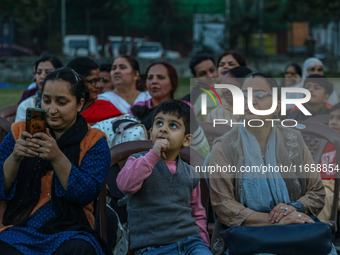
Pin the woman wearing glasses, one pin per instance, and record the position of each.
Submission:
(251, 198)
(292, 75)
(42, 67)
(94, 110)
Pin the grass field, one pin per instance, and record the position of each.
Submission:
(183, 87)
(9, 96)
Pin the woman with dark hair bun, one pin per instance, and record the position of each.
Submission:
(50, 179)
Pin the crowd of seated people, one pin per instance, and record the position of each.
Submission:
(49, 180)
(95, 109)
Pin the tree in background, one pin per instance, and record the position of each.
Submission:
(27, 17)
(38, 22)
(167, 23)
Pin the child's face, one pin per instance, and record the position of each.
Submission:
(334, 120)
(318, 95)
(170, 127)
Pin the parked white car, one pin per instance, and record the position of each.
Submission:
(151, 50)
(81, 46)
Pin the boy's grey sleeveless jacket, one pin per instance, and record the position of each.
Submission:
(159, 213)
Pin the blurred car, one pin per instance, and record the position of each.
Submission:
(81, 46)
(151, 50)
(171, 54)
(115, 42)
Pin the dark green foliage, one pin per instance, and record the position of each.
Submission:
(38, 22)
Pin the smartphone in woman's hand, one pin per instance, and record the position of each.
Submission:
(35, 120)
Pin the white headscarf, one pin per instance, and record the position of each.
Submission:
(309, 62)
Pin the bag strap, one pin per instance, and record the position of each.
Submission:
(117, 123)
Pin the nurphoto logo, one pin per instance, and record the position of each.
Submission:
(238, 103)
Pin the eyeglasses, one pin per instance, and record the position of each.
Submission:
(316, 69)
(94, 81)
(258, 94)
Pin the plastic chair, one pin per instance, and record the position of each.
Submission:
(317, 136)
(212, 133)
(5, 127)
(9, 112)
(323, 118)
(120, 153)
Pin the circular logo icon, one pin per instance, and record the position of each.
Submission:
(300, 126)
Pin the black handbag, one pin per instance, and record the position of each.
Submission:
(296, 239)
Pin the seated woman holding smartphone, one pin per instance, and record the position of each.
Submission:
(49, 179)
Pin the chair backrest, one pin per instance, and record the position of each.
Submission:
(316, 136)
(9, 112)
(121, 152)
(212, 132)
(323, 118)
(5, 127)
(311, 135)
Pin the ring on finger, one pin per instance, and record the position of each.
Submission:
(286, 208)
(281, 208)
(299, 215)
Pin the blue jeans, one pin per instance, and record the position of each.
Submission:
(191, 246)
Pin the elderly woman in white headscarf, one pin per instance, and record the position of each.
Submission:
(311, 66)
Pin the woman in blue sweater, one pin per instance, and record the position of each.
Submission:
(48, 180)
